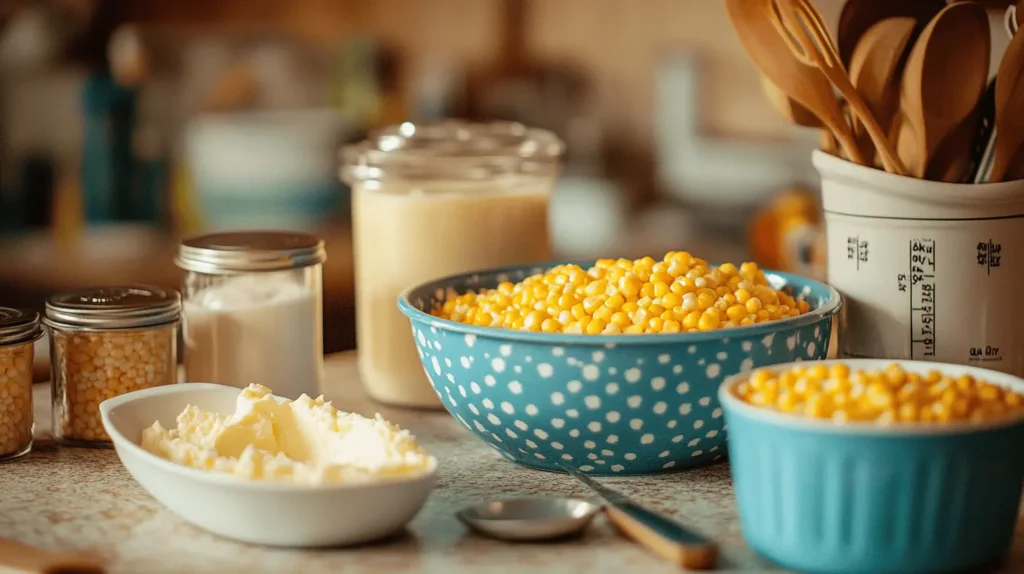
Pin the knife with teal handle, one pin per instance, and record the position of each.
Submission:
(665, 536)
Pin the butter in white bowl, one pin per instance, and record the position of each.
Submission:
(250, 466)
(302, 441)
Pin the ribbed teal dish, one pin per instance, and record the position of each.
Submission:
(603, 404)
(818, 496)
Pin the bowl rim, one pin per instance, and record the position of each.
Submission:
(731, 402)
(219, 478)
(829, 309)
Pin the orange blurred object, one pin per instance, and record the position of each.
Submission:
(788, 235)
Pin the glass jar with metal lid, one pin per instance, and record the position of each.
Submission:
(434, 200)
(253, 310)
(19, 330)
(105, 342)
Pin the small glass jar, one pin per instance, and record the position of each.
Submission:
(253, 310)
(19, 330)
(434, 200)
(106, 342)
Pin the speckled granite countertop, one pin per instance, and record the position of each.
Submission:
(66, 499)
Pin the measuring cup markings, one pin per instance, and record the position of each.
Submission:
(857, 250)
(989, 255)
(922, 297)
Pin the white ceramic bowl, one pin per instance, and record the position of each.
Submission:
(277, 514)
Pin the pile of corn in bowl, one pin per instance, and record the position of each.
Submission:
(610, 367)
(872, 465)
(680, 293)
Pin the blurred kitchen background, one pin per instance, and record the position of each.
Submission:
(127, 124)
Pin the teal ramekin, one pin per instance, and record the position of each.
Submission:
(820, 496)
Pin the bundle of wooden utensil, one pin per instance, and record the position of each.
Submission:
(903, 87)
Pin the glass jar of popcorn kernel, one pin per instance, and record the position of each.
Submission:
(105, 342)
(19, 330)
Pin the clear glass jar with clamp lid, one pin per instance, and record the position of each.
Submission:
(19, 330)
(106, 342)
(253, 310)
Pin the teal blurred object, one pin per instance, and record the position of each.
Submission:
(603, 404)
(107, 164)
(818, 496)
(266, 169)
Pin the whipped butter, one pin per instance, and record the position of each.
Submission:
(302, 441)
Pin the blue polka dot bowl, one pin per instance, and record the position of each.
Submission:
(603, 404)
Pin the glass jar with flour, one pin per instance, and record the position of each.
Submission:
(252, 310)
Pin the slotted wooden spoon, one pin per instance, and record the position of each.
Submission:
(1006, 155)
(803, 30)
(943, 80)
(875, 69)
(805, 84)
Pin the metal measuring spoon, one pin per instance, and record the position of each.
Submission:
(526, 519)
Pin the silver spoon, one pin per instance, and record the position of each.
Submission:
(525, 519)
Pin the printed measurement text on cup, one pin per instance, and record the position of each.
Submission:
(856, 250)
(919, 284)
(989, 255)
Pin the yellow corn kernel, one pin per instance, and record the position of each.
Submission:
(604, 313)
(692, 320)
(709, 320)
(736, 313)
(595, 326)
(621, 319)
(671, 300)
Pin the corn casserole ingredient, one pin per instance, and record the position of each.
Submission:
(95, 366)
(304, 441)
(884, 396)
(15, 398)
(680, 293)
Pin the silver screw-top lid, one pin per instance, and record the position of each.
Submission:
(240, 251)
(117, 307)
(18, 326)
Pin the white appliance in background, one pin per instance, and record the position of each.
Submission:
(588, 217)
(710, 171)
(266, 169)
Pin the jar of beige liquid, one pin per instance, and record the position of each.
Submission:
(436, 200)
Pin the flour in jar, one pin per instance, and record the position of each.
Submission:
(255, 329)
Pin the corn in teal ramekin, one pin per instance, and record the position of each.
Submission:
(815, 495)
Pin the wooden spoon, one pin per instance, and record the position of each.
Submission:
(790, 109)
(793, 111)
(858, 16)
(802, 28)
(942, 82)
(804, 84)
(17, 557)
(875, 70)
(1009, 108)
